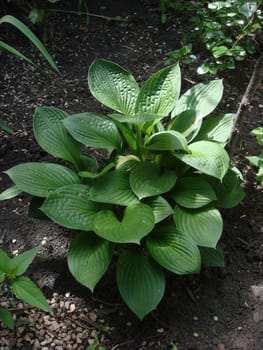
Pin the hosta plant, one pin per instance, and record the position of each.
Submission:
(11, 278)
(154, 197)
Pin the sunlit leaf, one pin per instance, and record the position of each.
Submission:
(113, 86)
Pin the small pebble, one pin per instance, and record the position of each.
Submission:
(216, 318)
(195, 318)
(195, 334)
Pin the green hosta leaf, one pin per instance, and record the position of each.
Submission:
(174, 251)
(52, 135)
(113, 188)
(202, 98)
(94, 130)
(113, 86)
(10, 192)
(27, 291)
(6, 318)
(228, 191)
(135, 119)
(40, 179)
(187, 124)
(216, 128)
(183, 122)
(20, 263)
(167, 141)
(70, 206)
(193, 192)
(160, 92)
(204, 225)
(161, 208)
(208, 157)
(147, 180)
(141, 282)
(5, 262)
(136, 223)
(88, 258)
(212, 256)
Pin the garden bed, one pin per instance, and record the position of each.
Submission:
(221, 308)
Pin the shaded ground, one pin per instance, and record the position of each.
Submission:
(216, 310)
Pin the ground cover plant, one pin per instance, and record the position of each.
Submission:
(12, 280)
(153, 202)
(226, 29)
(258, 160)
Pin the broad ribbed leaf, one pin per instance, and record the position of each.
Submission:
(26, 290)
(6, 318)
(161, 208)
(52, 136)
(167, 141)
(40, 179)
(174, 251)
(193, 192)
(208, 157)
(70, 206)
(141, 282)
(229, 191)
(136, 223)
(93, 130)
(204, 225)
(113, 188)
(147, 180)
(135, 119)
(212, 256)
(202, 98)
(88, 258)
(160, 92)
(113, 86)
(216, 128)
(10, 192)
(183, 123)
(20, 263)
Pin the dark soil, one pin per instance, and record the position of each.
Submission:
(216, 310)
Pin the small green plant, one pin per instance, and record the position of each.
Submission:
(226, 28)
(258, 160)
(154, 198)
(31, 36)
(96, 344)
(11, 271)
